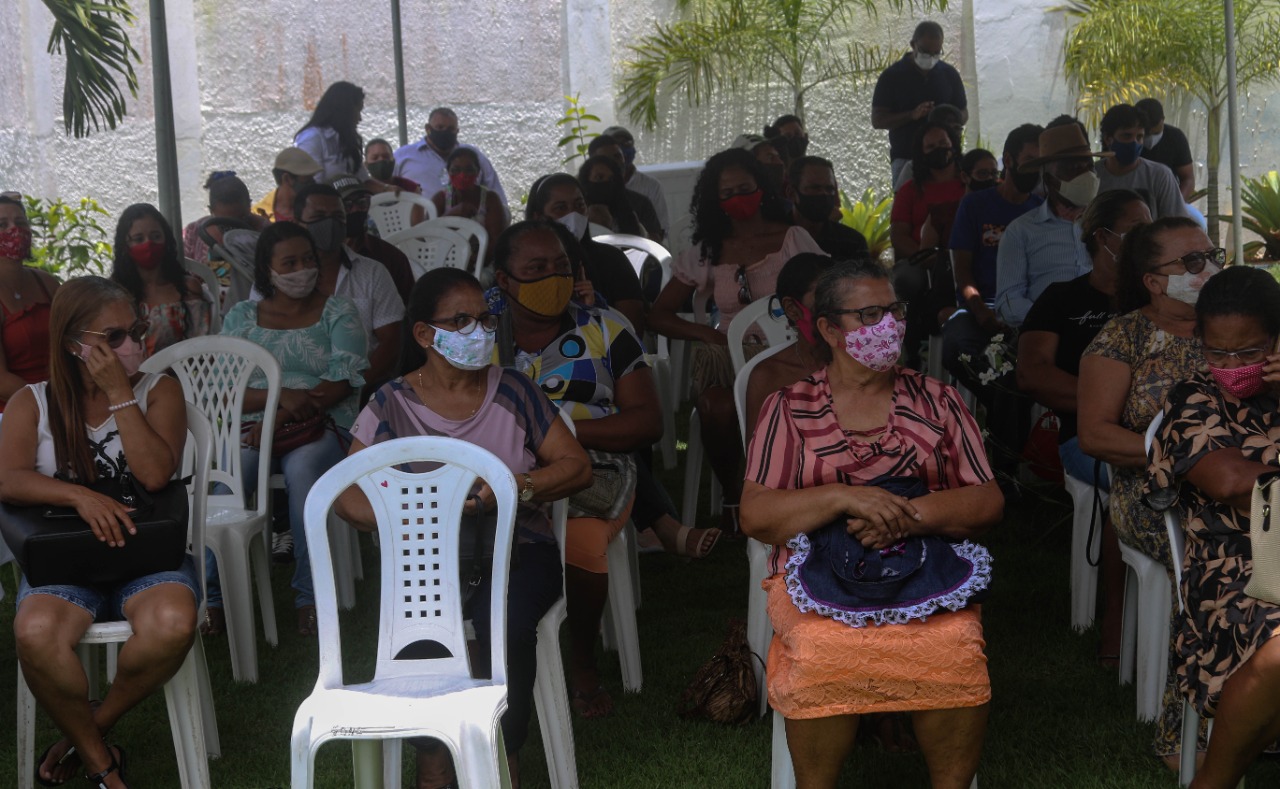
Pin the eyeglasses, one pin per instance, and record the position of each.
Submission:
(115, 338)
(1218, 357)
(465, 324)
(1196, 261)
(744, 287)
(870, 316)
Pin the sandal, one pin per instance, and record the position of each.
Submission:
(307, 621)
(434, 766)
(62, 761)
(215, 622)
(590, 704)
(99, 780)
(704, 541)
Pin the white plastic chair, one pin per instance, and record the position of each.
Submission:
(1084, 576)
(430, 245)
(215, 373)
(211, 282)
(393, 213)
(418, 516)
(188, 696)
(470, 229)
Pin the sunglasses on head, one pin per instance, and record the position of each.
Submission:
(116, 337)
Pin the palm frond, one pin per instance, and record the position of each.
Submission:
(92, 36)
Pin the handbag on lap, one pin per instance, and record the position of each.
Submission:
(613, 484)
(1264, 535)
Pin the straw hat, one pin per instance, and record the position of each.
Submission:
(1062, 142)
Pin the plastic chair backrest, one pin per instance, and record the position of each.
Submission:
(430, 245)
(215, 374)
(776, 329)
(742, 380)
(393, 213)
(418, 515)
(197, 461)
(1172, 521)
(470, 229)
(649, 249)
(211, 282)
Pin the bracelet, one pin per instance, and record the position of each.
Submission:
(122, 406)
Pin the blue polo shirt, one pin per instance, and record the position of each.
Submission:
(1038, 249)
(979, 226)
(903, 86)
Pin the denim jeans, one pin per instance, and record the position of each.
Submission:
(301, 468)
(1080, 466)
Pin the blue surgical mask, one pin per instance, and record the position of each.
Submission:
(1126, 152)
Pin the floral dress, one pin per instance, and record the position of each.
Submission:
(1221, 626)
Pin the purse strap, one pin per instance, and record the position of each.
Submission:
(477, 561)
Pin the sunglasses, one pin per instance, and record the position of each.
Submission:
(870, 316)
(116, 337)
(1196, 261)
(744, 287)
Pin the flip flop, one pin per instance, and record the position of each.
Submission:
(705, 541)
(67, 754)
(116, 766)
(215, 622)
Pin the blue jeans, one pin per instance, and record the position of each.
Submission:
(1080, 466)
(301, 468)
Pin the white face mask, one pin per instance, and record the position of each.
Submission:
(576, 222)
(472, 351)
(1185, 287)
(926, 62)
(1081, 190)
(1152, 140)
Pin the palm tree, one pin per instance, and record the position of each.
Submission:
(1119, 51)
(91, 33)
(726, 44)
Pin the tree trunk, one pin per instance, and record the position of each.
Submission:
(1212, 160)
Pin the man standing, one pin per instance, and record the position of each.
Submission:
(1122, 135)
(909, 89)
(815, 201)
(425, 161)
(294, 168)
(1166, 144)
(637, 181)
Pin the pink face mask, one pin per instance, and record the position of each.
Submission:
(876, 347)
(805, 325)
(1242, 382)
(130, 353)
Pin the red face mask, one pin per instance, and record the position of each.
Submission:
(15, 242)
(148, 254)
(462, 181)
(1242, 382)
(806, 325)
(742, 207)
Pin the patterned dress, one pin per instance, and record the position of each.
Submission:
(1222, 626)
(819, 667)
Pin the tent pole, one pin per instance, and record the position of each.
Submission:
(397, 45)
(166, 139)
(1233, 133)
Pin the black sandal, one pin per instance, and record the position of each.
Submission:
(67, 754)
(117, 766)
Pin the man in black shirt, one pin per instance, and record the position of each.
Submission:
(815, 200)
(1167, 145)
(909, 89)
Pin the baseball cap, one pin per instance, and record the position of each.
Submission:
(296, 161)
(347, 185)
(619, 133)
(748, 142)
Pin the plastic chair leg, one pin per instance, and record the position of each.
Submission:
(633, 559)
(1190, 734)
(551, 698)
(26, 734)
(212, 741)
(1150, 628)
(1084, 576)
(392, 763)
(260, 555)
(759, 629)
(182, 697)
(692, 470)
(1129, 627)
(233, 557)
(343, 578)
(782, 774)
(622, 611)
(366, 763)
(662, 375)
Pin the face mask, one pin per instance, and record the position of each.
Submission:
(1025, 182)
(357, 224)
(382, 170)
(328, 233)
(576, 222)
(472, 351)
(629, 153)
(926, 62)
(1242, 381)
(603, 193)
(777, 175)
(797, 146)
(815, 208)
(805, 326)
(129, 353)
(876, 347)
(15, 242)
(976, 185)
(1185, 287)
(1126, 152)
(1153, 140)
(443, 139)
(742, 207)
(938, 158)
(296, 284)
(547, 296)
(148, 254)
(463, 181)
(1081, 190)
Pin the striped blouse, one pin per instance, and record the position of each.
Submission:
(798, 441)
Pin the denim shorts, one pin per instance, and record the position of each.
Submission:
(106, 603)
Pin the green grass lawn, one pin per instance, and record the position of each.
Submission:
(1058, 720)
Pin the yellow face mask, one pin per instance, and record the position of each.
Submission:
(547, 296)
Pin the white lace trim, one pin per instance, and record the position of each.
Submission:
(954, 600)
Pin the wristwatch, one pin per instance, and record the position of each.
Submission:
(526, 492)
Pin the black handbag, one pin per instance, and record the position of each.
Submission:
(53, 545)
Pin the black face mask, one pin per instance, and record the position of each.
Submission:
(382, 170)
(357, 224)
(815, 208)
(797, 146)
(604, 192)
(443, 139)
(938, 158)
(976, 185)
(1025, 182)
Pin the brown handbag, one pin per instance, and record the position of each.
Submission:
(724, 689)
(291, 435)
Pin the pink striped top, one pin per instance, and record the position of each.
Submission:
(798, 441)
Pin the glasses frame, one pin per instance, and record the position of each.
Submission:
(898, 309)
(488, 320)
(1218, 357)
(116, 337)
(1194, 262)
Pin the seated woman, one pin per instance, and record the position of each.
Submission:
(1220, 433)
(589, 363)
(743, 237)
(1125, 375)
(96, 418)
(148, 263)
(320, 344)
(808, 467)
(466, 198)
(24, 315)
(609, 203)
(449, 388)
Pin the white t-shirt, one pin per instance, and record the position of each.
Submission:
(104, 440)
(326, 149)
(1155, 182)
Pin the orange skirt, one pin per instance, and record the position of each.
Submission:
(587, 540)
(819, 668)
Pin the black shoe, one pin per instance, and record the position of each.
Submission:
(282, 547)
